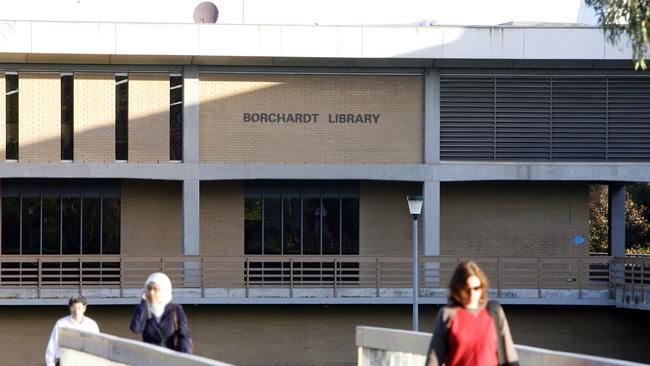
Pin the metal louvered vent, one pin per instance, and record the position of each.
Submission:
(522, 118)
(579, 119)
(544, 118)
(628, 122)
(467, 109)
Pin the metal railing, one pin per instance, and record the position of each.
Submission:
(534, 275)
(631, 281)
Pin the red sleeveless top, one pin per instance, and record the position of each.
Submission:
(472, 339)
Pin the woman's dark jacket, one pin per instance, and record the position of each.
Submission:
(162, 334)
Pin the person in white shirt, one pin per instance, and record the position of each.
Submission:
(76, 320)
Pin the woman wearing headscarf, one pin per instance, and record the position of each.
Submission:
(160, 321)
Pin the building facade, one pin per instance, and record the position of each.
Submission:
(267, 165)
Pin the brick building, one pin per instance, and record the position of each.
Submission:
(268, 166)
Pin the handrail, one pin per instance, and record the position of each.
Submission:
(530, 277)
(84, 348)
(378, 345)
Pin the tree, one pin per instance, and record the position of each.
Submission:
(631, 17)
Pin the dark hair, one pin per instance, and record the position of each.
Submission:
(77, 299)
(458, 294)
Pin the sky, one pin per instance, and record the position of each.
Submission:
(305, 12)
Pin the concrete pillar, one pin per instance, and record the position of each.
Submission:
(191, 101)
(191, 199)
(191, 233)
(431, 216)
(617, 219)
(431, 213)
(432, 116)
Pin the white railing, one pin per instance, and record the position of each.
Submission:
(383, 346)
(79, 348)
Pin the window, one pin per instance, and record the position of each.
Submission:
(121, 117)
(11, 80)
(67, 116)
(60, 217)
(301, 218)
(175, 117)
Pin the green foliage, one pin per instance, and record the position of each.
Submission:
(637, 218)
(631, 17)
(598, 219)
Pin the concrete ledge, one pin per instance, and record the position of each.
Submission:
(77, 346)
(398, 345)
(301, 295)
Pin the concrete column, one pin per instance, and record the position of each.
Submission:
(191, 101)
(432, 116)
(617, 219)
(431, 213)
(191, 233)
(431, 216)
(191, 199)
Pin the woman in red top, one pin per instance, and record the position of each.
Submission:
(471, 331)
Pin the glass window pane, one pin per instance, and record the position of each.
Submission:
(91, 229)
(111, 225)
(121, 117)
(350, 229)
(176, 118)
(272, 218)
(10, 225)
(71, 219)
(11, 115)
(67, 115)
(51, 218)
(311, 226)
(71, 225)
(330, 212)
(31, 216)
(291, 212)
(253, 225)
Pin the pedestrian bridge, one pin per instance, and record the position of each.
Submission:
(382, 346)
(376, 346)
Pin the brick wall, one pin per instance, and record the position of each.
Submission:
(94, 117)
(148, 118)
(39, 117)
(222, 218)
(518, 219)
(321, 335)
(385, 225)
(151, 218)
(226, 138)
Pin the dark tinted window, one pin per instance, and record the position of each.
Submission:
(176, 118)
(308, 218)
(12, 116)
(51, 218)
(121, 117)
(31, 218)
(10, 218)
(67, 116)
(60, 217)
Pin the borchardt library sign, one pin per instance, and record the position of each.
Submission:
(370, 118)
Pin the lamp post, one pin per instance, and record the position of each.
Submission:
(415, 208)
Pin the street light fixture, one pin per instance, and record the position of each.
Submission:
(415, 208)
